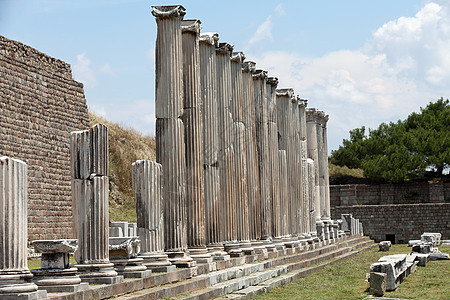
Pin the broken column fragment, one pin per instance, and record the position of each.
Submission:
(90, 198)
(146, 177)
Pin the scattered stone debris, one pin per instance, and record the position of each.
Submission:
(384, 245)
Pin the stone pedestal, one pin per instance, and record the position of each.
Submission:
(55, 274)
(15, 278)
(90, 198)
(147, 185)
(123, 252)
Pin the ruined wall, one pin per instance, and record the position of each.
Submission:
(405, 221)
(40, 104)
(363, 194)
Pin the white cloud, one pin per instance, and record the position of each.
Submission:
(263, 32)
(280, 10)
(98, 110)
(405, 65)
(83, 72)
(107, 69)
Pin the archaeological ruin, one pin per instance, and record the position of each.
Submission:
(237, 202)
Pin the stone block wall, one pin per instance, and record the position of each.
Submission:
(405, 221)
(40, 104)
(363, 194)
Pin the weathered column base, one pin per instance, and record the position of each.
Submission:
(279, 244)
(217, 252)
(269, 245)
(59, 280)
(233, 249)
(157, 262)
(247, 248)
(259, 247)
(16, 285)
(98, 273)
(131, 267)
(200, 255)
(181, 259)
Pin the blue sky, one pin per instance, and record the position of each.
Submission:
(362, 62)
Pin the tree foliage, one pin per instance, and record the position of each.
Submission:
(403, 150)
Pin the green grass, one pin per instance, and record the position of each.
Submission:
(35, 263)
(347, 280)
(338, 171)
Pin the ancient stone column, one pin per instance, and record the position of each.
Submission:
(296, 182)
(90, 201)
(304, 168)
(170, 144)
(240, 147)
(262, 142)
(286, 141)
(148, 195)
(313, 153)
(254, 203)
(274, 173)
(208, 80)
(226, 148)
(193, 138)
(325, 165)
(15, 278)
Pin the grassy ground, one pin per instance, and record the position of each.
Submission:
(347, 280)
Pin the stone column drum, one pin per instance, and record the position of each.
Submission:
(313, 153)
(148, 195)
(170, 145)
(253, 193)
(90, 202)
(15, 278)
(193, 139)
(208, 83)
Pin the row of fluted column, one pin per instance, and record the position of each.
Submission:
(244, 164)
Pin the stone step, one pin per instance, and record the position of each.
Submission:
(270, 284)
(276, 275)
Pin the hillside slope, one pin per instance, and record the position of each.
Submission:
(126, 145)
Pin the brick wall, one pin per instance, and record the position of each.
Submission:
(364, 194)
(40, 104)
(405, 221)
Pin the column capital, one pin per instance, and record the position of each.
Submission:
(260, 74)
(168, 11)
(192, 25)
(317, 116)
(285, 92)
(224, 48)
(249, 66)
(273, 81)
(211, 38)
(302, 102)
(238, 57)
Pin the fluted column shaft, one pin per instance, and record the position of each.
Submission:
(14, 273)
(284, 193)
(226, 149)
(193, 135)
(262, 142)
(240, 146)
(208, 80)
(312, 194)
(254, 203)
(304, 167)
(274, 173)
(326, 170)
(170, 146)
(147, 186)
